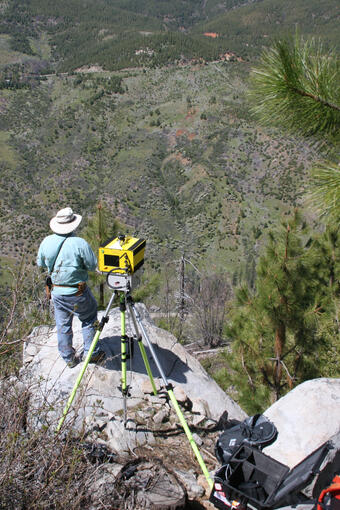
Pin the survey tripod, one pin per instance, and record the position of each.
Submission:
(121, 285)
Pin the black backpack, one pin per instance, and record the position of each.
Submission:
(256, 431)
(253, 478)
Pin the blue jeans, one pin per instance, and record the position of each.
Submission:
(85, 308)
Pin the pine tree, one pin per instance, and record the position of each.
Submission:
(326, 268)
(297, 85)
(274, 328)
(100, 227)
(287, 329)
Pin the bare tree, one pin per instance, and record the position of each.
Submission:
(208, 296)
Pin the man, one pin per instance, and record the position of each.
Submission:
(68, 259)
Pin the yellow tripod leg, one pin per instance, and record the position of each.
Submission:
(137, 319)
(123, 352)
(190, 438)
(79, 378)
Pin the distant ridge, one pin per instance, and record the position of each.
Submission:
(249, 27)
(110, 33)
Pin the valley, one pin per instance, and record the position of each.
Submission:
(173, 152)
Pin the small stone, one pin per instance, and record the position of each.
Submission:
(150, 439)
(141, 438)
(142, 415)
(210, 424)
(180, 395)
(208, 442)
(149, 410)
(144, 438)
(146, 386)
(130, 425)
(154, 399)
(190, 483)
(199, 406)
(113, 469)
(160, 417)
(197, 439)
(197, 419)
(173, 418)
(121, 439)
(136, 392)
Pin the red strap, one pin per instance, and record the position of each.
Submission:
(333, 489)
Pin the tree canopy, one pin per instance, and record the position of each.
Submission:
(287, 329)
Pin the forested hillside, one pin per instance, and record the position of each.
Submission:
(176, 141)
(255, 25)
(143, 106)
(66, 35)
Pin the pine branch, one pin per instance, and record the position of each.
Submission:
(251, 383)
(296, 84)
(316, 98)
(324, 193)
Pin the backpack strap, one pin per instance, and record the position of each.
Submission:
(255, 418)
(55, 259)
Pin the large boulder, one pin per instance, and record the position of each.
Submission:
(306, 417)
(98, 403)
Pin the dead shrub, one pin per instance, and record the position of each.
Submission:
(40, 469)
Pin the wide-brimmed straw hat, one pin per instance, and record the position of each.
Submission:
(65, 221)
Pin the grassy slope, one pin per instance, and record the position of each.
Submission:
(177, 157)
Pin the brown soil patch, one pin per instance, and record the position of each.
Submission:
(179, 157)
(184, 132)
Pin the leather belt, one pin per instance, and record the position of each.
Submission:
(81, 286)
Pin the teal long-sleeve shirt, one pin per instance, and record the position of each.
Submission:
(74, 260)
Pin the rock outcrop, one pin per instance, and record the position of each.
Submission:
(99, 401)
(306, 417)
